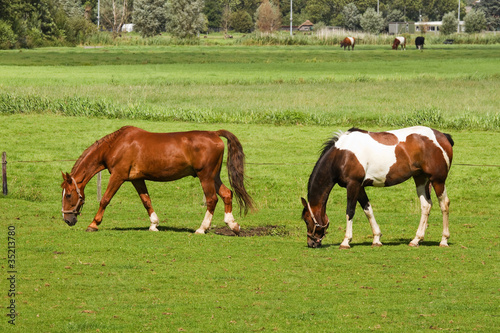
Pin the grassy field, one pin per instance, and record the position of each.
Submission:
(126, 279)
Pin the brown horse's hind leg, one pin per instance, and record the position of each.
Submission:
(142, 190)
(227, 197)
(211, 201)
(422, 184)
(444, 204)
(113, 186)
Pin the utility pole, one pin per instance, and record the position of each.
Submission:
(291, 17)
(458, 27)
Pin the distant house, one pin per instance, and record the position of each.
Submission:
(129, 27)
(306, 26)
(434, 26)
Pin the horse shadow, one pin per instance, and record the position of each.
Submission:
(394, 242)
(160, 228)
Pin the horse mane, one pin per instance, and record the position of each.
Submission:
(327, 145)
(107, 139)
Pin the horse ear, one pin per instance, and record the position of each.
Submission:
(66, 177)
(304, 202)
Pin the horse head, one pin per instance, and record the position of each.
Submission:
(73, 199)
(395, 44)
(316, 225)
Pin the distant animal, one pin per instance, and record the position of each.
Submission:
(135, 155)
(399, 41)
(419, 42)
(348, 42)
(357, 158)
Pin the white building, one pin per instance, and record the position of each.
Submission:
(434, 26)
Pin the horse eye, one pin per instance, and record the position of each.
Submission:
(68, 196)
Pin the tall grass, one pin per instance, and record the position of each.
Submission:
(101, 108)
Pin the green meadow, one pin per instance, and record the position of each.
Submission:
(282, 103)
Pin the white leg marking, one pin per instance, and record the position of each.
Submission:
(425, 207)
(229, 219)
(444, 203)
(205, 225)
(373, 223)
(348, 234)
(154, 222)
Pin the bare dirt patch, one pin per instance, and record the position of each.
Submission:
(268, 230)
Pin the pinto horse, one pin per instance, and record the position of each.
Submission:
(356, 159)
(399, 41)
(135, 155)
(348, 42)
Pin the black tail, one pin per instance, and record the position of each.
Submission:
(236, 170)
(449, 139)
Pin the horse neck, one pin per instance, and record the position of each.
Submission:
(320, 184)
(90, 163)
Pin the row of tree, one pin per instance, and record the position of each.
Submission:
(29, 23)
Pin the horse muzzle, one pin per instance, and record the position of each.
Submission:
(313, 244)
(72, 220)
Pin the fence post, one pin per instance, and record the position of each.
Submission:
(4, 173)
(99, 186)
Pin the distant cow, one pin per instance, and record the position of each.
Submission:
(348, 42)
(399, 41)
(419, 42)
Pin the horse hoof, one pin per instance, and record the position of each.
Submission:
(344, 247)
(377, 245)
(90, 229)
(153, 229)
(236, 230)
(444, 245)
(200, 232)
(413, 245)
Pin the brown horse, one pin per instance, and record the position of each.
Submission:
(356, 159)
(399, 41)
(348, 42)
(132, 154)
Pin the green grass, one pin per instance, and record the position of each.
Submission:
(282, 103)
(275, 85)
(124, 278)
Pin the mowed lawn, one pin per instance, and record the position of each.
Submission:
(126, 279)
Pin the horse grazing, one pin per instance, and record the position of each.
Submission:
(399, 41)
(348, 42)
(135, 155)
(419, 42)
(356, 159)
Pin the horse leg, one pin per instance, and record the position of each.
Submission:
(444, 204)
(352, 198)
(211, 201)
(367, 208)
(422, 184)
(227, 197)
(113, 186)
(142, 190)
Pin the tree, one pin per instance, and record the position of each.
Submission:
(213, 12)
(241, 21)
(114, 14)
(475, 21)
(450, 23)
(492, 10)
(149, 17)
(351, 16)
(267, 17)
(372, 22)
(185, 18)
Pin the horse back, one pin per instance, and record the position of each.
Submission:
(163, 156)
(389, 158)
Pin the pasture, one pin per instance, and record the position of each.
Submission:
(282, 103)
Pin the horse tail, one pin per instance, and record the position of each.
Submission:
(450, 140)
(236, 170)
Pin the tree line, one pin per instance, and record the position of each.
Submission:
(32, 23)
